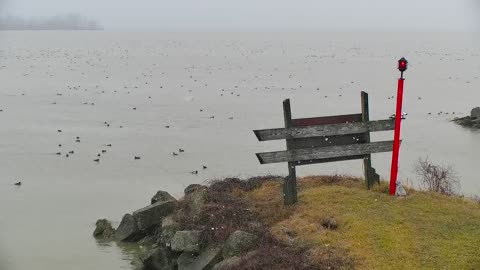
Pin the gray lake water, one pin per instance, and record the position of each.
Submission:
(46, 77)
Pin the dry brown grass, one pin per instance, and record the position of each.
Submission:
(285, 227)
(234, 204)
(225, 211)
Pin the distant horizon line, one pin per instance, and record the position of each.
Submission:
(251, 30)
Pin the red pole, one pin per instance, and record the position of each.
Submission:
(396, 138)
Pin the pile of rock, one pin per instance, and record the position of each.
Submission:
(472, 121)
(173, 245)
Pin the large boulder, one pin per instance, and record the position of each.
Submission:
(475, 112)
(187, 241)
(205, 261)
(152, 215)
(128, 230)
(233, 262)
(464, 121)
(469, 121)
(103, 229)
(157, 259)
(162, 196)
(184, 260)
(148, 240)
(197, 201)
(239, 243)
(169, 228)
(230, 263)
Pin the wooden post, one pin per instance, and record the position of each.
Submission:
(290, 184)
(367, 160)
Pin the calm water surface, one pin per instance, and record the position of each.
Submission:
(50, 80)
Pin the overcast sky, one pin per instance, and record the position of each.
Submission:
(385, 15)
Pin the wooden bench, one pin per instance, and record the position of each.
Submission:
(325, 139)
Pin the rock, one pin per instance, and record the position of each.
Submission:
(233, 262)
(128, 230)
(197, 201)
(157, 259)
(188, 241)
(136, 262)
(329, 223)
(239, 243)
(192, 188)
(399, 190)
(230, 263)
(148, 240)
(152, 215)
(169, 228)
(475, 112)
(206, 260)
(472, 121)
(162, 196)
(185, 259)
(103, 229)
(468, 121)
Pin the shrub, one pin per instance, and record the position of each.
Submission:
(437, 178)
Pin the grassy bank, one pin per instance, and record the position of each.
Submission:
(375, 231)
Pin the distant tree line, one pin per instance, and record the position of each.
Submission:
(66, 22)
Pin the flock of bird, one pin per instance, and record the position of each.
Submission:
(79, 65)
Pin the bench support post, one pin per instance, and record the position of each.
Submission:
(371, 176)
(290, 183)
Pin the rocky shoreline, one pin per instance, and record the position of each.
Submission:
(472, 121)
(212, 227)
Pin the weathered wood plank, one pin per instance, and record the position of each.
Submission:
(323, 130)
(327, 141)
(326, 160)
(327, 120)
(324, 152)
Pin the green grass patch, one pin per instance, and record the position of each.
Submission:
(421, 231)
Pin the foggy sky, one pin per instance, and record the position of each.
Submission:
(344, 15)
